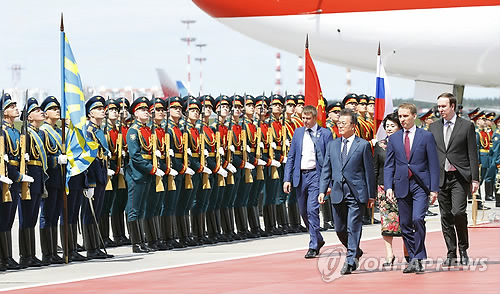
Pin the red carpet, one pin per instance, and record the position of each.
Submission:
(291, 273)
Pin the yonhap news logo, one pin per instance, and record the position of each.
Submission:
(331, 261)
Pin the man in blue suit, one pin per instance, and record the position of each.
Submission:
(303, 168)
(411, 174)
(348, 169)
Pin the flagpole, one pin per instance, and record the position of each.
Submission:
(63, 151)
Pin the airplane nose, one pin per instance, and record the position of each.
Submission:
(232, 8)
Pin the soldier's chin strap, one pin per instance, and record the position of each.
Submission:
(96, 223)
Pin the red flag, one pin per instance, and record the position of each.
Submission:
(314, 95)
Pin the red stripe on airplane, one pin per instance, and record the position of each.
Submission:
(232, 8)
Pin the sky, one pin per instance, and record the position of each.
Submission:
(119, 43)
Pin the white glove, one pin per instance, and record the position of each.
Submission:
(273, 145)
(189, 171)
(285, 160)
(275, 163)
(62, 159)
(231, 168)
(205, 152)
(173, 172)
(27, 178)
(158, 153)
(221, 151)
(6, 157)
(159, 172)
(262, 145)
(111, 172)
(26, 157)
(206, 170)
(89, 193)
(287, 142)
(249, 166)
(121, 172)
(110, 154)
(5, 180)
(248, 149)
(261, 162)
(189, 152)
(374, 141)
(231, 148)
(170, 152)
(124, 153)
(222, 172)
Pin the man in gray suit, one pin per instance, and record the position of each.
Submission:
(458, 160)
(348, 168)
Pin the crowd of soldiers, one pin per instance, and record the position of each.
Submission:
(172, 172)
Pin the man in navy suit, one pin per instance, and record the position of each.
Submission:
(348, 168)
(411, 174)
(303, 168)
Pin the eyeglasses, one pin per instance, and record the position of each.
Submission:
(343, 123)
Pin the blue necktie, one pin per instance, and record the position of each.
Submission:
(313, 138)
(343, 155)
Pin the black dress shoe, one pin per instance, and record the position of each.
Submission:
(311, 253)
(389, 263)
(75, 256)
(13, 265)
(136, 248)
(94, 254)
(489, 198)
(347, 269)
(411, 268)
(419, 267)
(480, 206)
(320, 245)
(464, 258)
(322, 229)
(430, 213)
(450, 261)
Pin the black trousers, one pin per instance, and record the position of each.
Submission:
(453, 204)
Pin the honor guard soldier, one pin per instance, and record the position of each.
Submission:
(351, 102)
(205, 158)
(297, 117)
(249, 161)
(489, 181)
(471, 114)
(139, 172)
(495, 159)
(426, 119)
(121, 194)
(111, 133)
(176, 153)
(191, 179)
(97, 176)
(370, 113)
(273, 179)
(333, 114)
(51, 206)
(156, 196)
(235, 165)
(36, 166)
(11, 176)
(483, 146)
(222, 108)
(365, 127)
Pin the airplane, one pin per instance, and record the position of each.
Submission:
(441, 44)
(170, 88)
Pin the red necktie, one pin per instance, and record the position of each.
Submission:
(407, 150)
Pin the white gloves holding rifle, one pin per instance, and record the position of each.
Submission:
(231, 168)
(159, 172)
(62, 159)
(5, 180)
(249, 166)
(222, 172)
(89, 193)
(27, 178)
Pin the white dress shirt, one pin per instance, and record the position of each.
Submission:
(308, 160)
(411, 135)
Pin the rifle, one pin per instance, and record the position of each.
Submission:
(25, 191)
(221, 182)
(188, 182)
(274, 170)
(109, 184)
(283, 131)
(170, 178)
(258, 150)
(205, 180)
(248, 173)
(154, 147)
(229, 155)
(6, 197)
(119, 147)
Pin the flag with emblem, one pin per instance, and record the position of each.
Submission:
(81, 151)
(313, 93)
(383, 99)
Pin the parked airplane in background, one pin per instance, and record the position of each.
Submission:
(170, 88)
(441, 44)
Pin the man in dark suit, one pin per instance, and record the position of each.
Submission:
(458, 161)
(348, 169)
(411, 174)
(303, 168)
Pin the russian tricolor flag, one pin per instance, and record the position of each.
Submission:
(383, 99)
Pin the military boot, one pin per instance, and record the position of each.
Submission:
(33, 248)
(56, 259)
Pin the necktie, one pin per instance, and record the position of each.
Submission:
(314, 139)
(343, 155)
(447, 135)
(407, 151)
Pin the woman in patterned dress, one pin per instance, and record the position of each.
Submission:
(389, 218)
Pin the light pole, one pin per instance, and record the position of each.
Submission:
(201, 59)
(188, 40)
